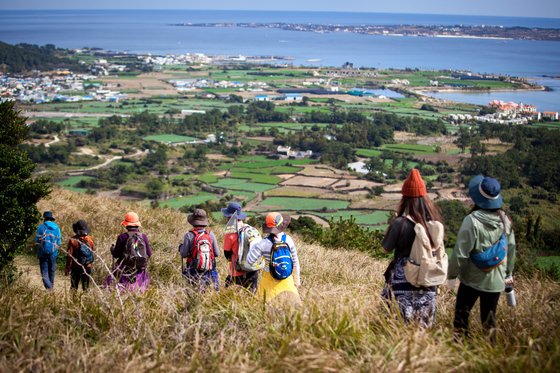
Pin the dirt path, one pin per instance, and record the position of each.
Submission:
(106, 163)
(28, 266)
(56, 139)
(255, 202)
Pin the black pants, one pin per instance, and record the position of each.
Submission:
(249, 280)
(466, 298)
(77, 275)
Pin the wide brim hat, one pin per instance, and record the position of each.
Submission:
(485, 192)
(198, 218)
(80, 228)
(131, 220)
(233, 208)
(48, 215)
(276, 222)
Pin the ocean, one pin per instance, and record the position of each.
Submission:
(142, 31)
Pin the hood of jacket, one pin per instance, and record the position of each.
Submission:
(491, 220)
(50, 224)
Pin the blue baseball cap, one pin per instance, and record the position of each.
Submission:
(485, 192)
(233, 208)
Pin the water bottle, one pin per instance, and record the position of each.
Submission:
(510, 296)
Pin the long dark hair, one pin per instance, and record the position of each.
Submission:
(420, 209)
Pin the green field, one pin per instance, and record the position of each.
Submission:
(179, 202)
(303, 204)
(256, 177)
(170, 138)
(71, 182)
(362, 217)
(368, 152)
(242, 184)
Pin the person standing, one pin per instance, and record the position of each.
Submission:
(132, 252)
(416, 304)
(486, 228)
(48, 239)
(79, 256)
(201, 249)
(271, 285)
(234, 241)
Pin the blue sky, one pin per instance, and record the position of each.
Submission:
(522, 8)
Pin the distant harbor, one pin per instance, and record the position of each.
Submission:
(442, 31)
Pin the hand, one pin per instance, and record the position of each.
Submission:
(66, 273)
(508, 280)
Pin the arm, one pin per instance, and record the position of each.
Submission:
(510, 254)
(466, 239)
(69, 254)
(117, 249)
(229, 239)
(256, 251)
(148, 247)
(185, 248)
(392, 235)
(38, 234)
(215, 245)
(295, 260)
(58, 237)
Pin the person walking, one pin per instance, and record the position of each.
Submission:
(274, 283)
(485, 232)
(237, 241)
(416, 304)
(48, 239)
(132, 252)
(80, 256)
(201, 249)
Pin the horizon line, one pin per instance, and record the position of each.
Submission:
(279, 10)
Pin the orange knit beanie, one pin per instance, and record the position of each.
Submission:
(414, 185)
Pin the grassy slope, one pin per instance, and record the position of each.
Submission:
(342, 326)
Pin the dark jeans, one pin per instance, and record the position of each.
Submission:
(202, 280)
(249, 280)
(466, 298)
(48, 269)
(77, 275)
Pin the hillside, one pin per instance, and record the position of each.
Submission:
(342, 326)
(23, 58)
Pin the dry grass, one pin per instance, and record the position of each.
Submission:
(342, 325)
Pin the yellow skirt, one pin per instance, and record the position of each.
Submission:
(269, 287)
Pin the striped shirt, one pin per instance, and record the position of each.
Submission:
(263, 249)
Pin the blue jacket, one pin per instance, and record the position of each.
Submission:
(54, 229)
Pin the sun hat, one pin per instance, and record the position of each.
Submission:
(233, 208)
(131, 220)
(485, 192)
(80, 228)
(198, 218)
(48, 215)
(414, 186)
(275, 222)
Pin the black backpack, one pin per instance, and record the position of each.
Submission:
(135, 253)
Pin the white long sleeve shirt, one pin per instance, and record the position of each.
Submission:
(263, 249)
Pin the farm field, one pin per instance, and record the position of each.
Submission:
(179, 202)
(362, 217)
(71, 182)
(303, 204)
(242, 184)
(170, 138)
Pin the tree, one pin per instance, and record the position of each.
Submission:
(20, 192)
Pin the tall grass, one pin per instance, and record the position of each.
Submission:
(343, 325)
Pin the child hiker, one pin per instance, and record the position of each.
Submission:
(237, 241)
(486, 230)
(79, 256)
(282, 272)
(132, 251)
(201, 250)
(415, 303)
(48, 240)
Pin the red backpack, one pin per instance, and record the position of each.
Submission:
(202, 256)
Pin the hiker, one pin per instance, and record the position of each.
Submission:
(282, 270)
(48, 239)
(201, 250)
(237, 241)
(79, 256)
(132, 252)
(415, 213)
(483, 257)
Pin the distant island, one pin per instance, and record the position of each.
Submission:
(455, 31)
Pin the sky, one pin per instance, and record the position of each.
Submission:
(520, 8)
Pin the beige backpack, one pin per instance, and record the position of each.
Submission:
(424, 268)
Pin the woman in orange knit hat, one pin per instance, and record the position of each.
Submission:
(416, 304)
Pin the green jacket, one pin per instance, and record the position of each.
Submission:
(480, 230)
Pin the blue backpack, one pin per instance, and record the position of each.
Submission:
(281, 265)
(48, 242)
(85, 254)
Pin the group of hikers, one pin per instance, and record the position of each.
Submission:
(482, 260)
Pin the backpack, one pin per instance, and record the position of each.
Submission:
(202, 256)
(85, 253)
(245, 237)
(281, 265)
(135, 253)
(493, 256)
(48, 242)
(424, 267)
